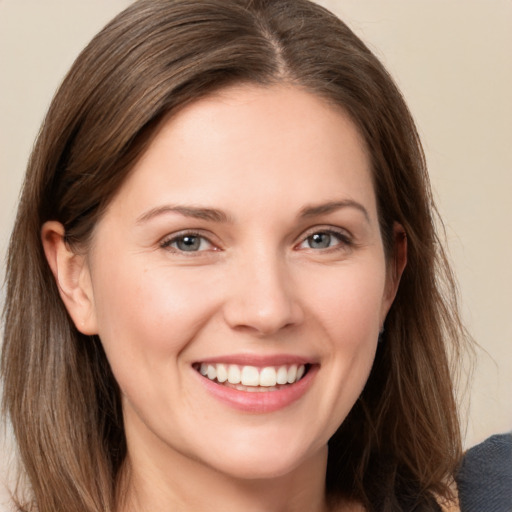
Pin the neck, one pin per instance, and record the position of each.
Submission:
(185, 485)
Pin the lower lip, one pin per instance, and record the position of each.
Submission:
(260, 401)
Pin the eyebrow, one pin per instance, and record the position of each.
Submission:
(211, 214)
(215, 215)
(332, 206)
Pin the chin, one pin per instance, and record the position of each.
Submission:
(258, 470)
(254, 463)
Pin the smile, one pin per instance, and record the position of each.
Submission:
(255, 385)
(252, 378)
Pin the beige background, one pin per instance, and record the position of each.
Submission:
(453, 62)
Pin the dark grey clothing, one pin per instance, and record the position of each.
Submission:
(485, 477)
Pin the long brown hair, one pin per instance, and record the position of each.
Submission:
(399, 445)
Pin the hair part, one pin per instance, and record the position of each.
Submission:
(400, 444)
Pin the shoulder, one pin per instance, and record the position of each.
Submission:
(484, 479)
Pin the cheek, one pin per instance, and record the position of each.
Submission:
(349, 302)
(147, 312)
(348, 311)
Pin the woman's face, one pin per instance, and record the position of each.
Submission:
(244, 245)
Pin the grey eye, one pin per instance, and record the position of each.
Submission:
(188, 243)
(320, 240)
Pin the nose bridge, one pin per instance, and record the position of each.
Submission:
(263, 298)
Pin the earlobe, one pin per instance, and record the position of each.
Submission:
(72, 276)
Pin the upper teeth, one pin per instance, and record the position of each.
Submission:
(251, 375)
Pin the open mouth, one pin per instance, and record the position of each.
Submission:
(252, 378)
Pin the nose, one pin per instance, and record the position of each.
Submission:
(263, 298)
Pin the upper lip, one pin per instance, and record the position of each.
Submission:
(258, 360)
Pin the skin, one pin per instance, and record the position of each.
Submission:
(257, 285)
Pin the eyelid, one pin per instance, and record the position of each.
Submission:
(168, 240)
(344, 235)
(346, 239)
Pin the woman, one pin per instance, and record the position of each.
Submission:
(225, 289)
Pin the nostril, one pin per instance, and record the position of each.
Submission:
(270, 319)
(262, 298)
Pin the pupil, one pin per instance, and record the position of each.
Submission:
(320, 241)
(189, 243)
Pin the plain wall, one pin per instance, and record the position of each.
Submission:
(452, 60)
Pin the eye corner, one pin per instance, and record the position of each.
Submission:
(324, 237)
(188, 243)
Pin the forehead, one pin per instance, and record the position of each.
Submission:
(258, 144)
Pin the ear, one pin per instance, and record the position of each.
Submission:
(72, 276)
(396, 267)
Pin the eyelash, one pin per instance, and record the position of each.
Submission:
(174, 239)
(344, 241)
